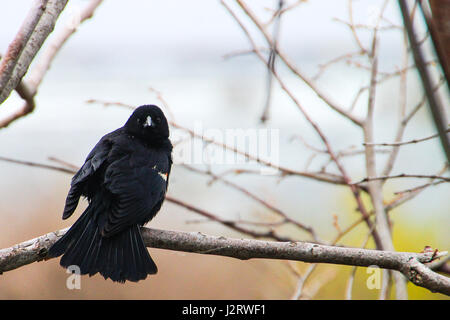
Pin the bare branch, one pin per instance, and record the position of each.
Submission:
(403, 175)
(322, 95)
(38, 165)
(16, 48)
(279, 212)
(302, 281)
(349, 289)
(411, 193)
(410, 264)
(271, 61)
(351, 25)
(402, 110)
(54, 46)
(434, 102)
(229, 223)
(27, 88)
(324, 66)
(36, 28)
(285, 9)
(396, 144)
(375, 187)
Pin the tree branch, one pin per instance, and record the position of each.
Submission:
(279, 212)
(410, 264)
(403, 175)
(396, 144)
(27, 88)
(345, 176)
(434, 102)
(21, 52)
(309, 82)
(17, 46)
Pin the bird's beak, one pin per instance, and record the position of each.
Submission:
(148, 122)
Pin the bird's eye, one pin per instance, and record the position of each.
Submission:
(158, 120)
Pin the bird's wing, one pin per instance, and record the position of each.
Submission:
(138, 192)
(92, 163)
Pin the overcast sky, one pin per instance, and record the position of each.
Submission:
(200, 25)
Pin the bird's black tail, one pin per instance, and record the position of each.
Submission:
(120, 257)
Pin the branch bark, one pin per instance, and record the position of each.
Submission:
(410, 264)
(434, 101)
(27, 88)
(21, 52)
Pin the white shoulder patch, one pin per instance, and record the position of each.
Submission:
(161, 174)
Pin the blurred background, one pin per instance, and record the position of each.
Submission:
(181, 48)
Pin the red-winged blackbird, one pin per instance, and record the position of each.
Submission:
(124, 178)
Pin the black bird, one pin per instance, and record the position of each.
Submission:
(125, 179)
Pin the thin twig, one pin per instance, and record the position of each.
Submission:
(348, 291)
(279, 212)
(232, 224)
(302, 281)
(322, 95)
(38, 165)
(271, 62)
(403, 175)
(396, 144)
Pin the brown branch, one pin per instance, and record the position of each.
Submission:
(21, 52)
(402, 126)
(418, 188)
(271, 61)
(403, 175)
(284, 10)
(279, 212)
(396, 144)
(309, 82)
(411, 193)
(15, 49)
(436, 21)
(323, 66)
(434, 102)
(351, 25)
(27, 88)
(55, 45)
(38, 165)
(234, 225)
(375, 187)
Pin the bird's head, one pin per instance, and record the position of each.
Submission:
(148, 123)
